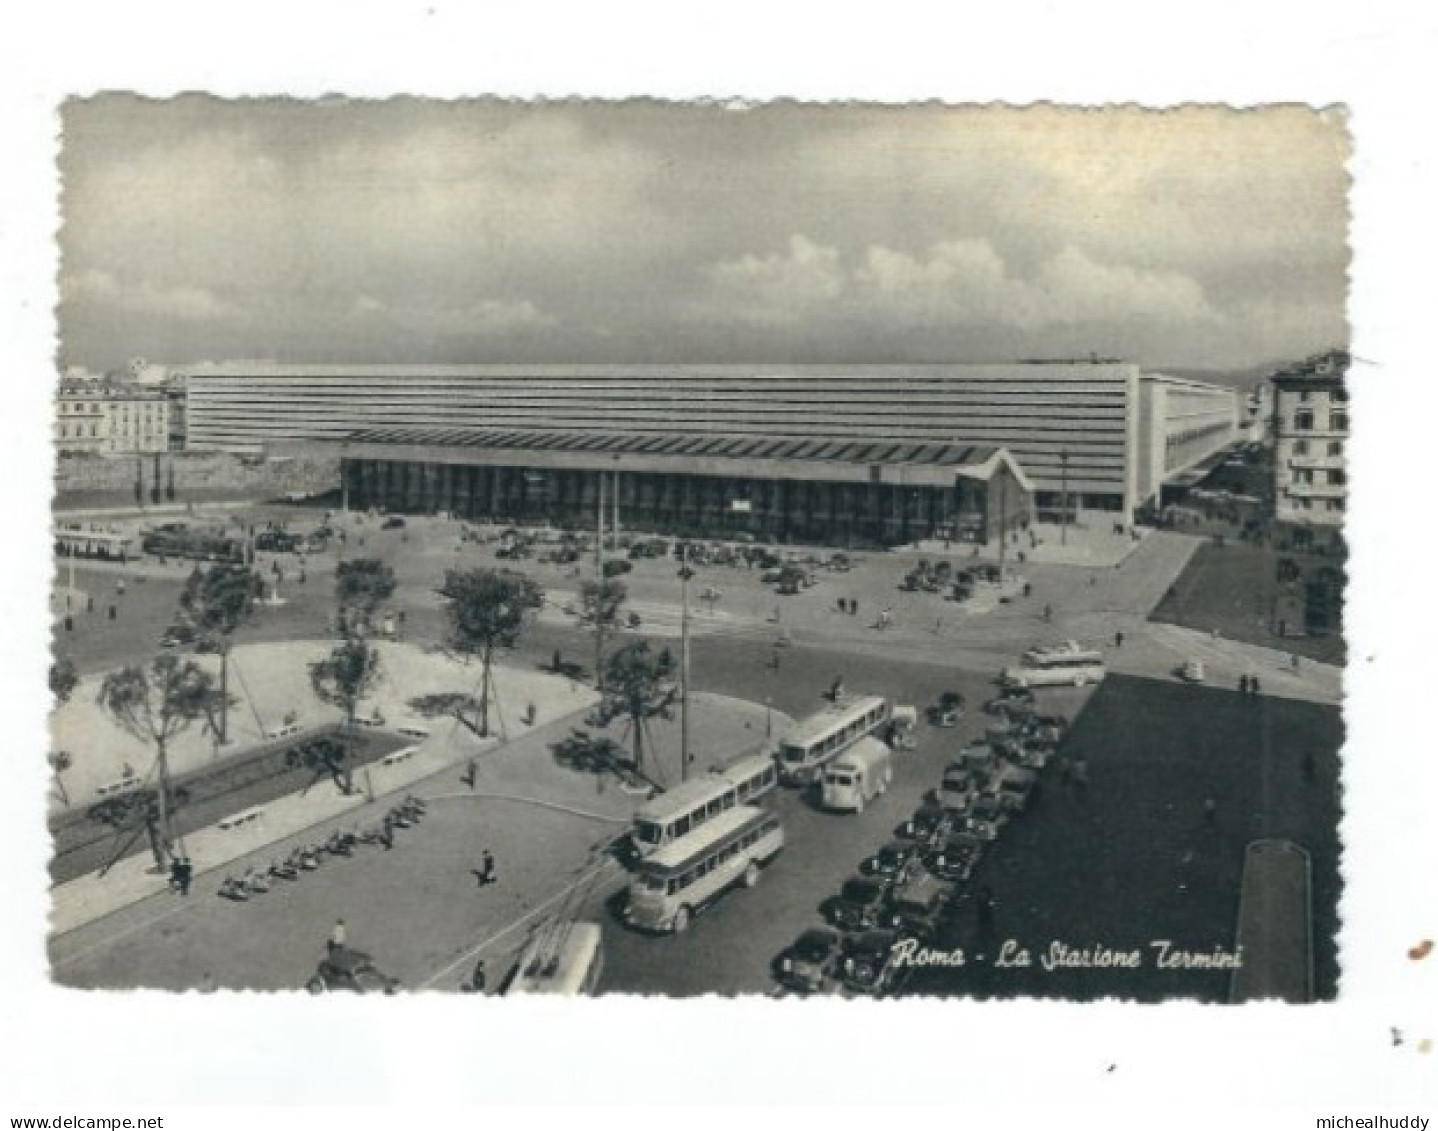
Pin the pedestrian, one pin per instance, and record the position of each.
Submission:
(471, 774)
(1243, 685)
(338, 936)
(1048, 613)
(1118, 639)
(184, 873)
(386, 836)
(1210, 812)
(774, 660)
(1253, 684)
(853, 606)
(486, 873)
(477, 980)
(1028, 589)
(938, 626)
(1294, 661)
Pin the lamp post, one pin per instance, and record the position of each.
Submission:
(685, 573)
(1064, 499)
(768, 716)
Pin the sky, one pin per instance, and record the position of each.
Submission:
(486, 231)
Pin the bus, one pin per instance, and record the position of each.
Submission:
(685, 807)
(176, 540)
(567, 959)
(1055, 666)
(825, 735)
(671, 885)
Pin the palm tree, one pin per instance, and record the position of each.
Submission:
(156, 704)
(342, 679)
(487, 609)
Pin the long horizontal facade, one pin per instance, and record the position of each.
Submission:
(846, 492)
(1104, 435)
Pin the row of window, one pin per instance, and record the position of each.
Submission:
(1335, 476)
(1339, 395)
(94, 430)
(719, 858)
(1332, 506)
(93, 409)
(1300, 447)
(1304, 418)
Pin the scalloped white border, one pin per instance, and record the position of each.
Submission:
(124, 1054)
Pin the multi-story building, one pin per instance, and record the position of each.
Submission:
(110, 418)
(786, 445)
(1310, 435)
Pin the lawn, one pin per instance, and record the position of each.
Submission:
(1232, 589)
(1133, 859)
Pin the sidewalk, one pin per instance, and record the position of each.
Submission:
(92, 897)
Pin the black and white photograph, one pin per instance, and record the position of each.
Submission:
(571, 547)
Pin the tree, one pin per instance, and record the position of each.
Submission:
(639, 685)
(361, 586)
(458, 705)
(60, 761)
(602, 601)
(487, 609)
(64, 678)
(342, 679)
(155, 705)
(217, 602)
(134, 810)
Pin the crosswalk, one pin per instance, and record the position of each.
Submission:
(666, 620)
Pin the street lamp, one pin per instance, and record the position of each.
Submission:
(685, 573)
(768, 716)
(1064, 499)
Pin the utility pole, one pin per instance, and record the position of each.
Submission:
(685, 573)
(614, 525)
(1003, 518)
(1064, 500)
(599, 598)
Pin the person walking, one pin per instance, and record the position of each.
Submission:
(478, 980)
(471, 774)
(1048, 613)
(486, 873)
(1118, 639)
(338, 936)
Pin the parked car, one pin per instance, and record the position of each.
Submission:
(868, 963)
(1192, 671)
(615, 566)
(894, 862)
(392, 522)
(930, 820)
(979, 759)
(957, 787)
(179, 636)
(1015, 788)
(986, 817)
(811, 964)
(956, 858)
(948, 710)
(914, 908)
(859, 904)
(1008, 700)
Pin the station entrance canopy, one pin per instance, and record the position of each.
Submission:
(840, 490)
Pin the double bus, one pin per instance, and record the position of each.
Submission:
(688, 806)
(823, 736)
(673, 884)
(1055, 666)
(567, 959)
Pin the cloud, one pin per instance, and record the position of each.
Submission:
(962, 282)
(183, 303)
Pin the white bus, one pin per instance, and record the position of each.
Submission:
(825, 735)
(687, 806)
(674, 883)
(1055, 666)
(857, 776)
(567, 959)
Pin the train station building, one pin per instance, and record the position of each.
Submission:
(846, 454)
